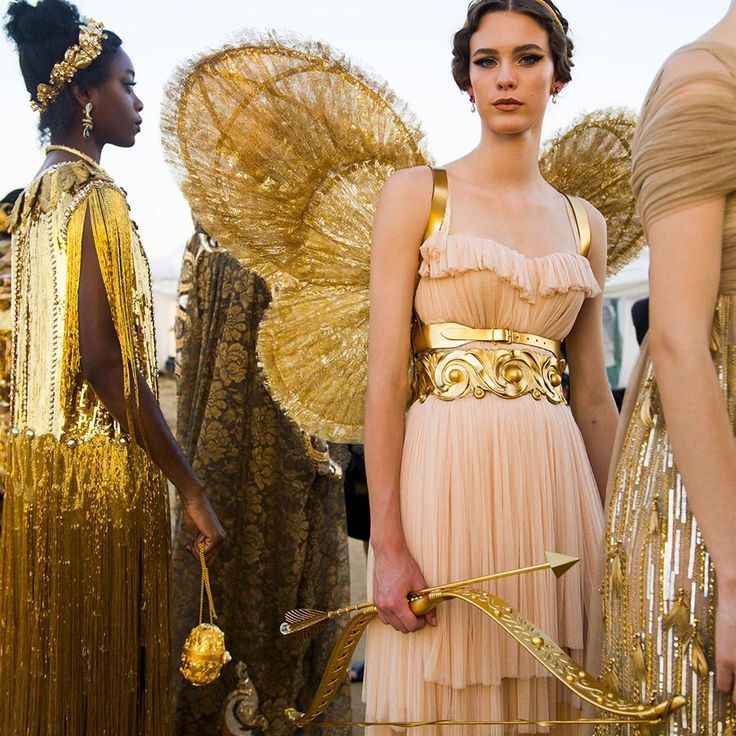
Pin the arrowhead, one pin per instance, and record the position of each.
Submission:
(560, 564)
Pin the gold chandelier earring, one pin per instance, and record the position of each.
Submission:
(472, 104)
(87, 123)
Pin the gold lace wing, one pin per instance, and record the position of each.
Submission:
(592, 160)
(281, 149)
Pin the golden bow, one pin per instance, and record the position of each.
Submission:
(529, 637)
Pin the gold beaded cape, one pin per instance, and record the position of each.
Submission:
(85, 547)
(659, 589)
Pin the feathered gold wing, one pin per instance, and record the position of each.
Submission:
(281, 149)
(592, 160)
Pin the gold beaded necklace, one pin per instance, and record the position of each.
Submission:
(75, 152)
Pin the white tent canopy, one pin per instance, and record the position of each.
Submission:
(624, 289)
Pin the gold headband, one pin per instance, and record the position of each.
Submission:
(77, 57)
(551, 11)
(545, 5)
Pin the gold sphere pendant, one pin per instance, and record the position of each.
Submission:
(203, 655)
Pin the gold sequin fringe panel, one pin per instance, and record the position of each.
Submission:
(84, 611)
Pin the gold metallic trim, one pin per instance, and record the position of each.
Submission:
(555, 17)
(452, 335)
(583, 224)
(439, 202)
(509, 374)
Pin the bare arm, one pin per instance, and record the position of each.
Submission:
(591, 398)
(397, 234)
(684, 281)
(102, 365)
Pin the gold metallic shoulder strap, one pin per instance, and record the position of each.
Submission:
(439, 202)
(583, 223)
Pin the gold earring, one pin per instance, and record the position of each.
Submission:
(472, 104)
(87, 123)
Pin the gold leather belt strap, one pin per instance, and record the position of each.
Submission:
(508, 373)
(451, 335)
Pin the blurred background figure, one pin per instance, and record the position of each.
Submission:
(278, 493)
(6, 325)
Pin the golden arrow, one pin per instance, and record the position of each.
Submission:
(616, 710)
(300, 620)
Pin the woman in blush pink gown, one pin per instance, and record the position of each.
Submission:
(489, 468)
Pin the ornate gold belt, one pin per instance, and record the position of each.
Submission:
(453, 335)
(506, 372)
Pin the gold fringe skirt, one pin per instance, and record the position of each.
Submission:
(84, 591)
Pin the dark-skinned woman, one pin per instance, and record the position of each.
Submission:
(85, 551)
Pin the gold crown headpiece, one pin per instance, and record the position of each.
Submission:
(77, 57)
(555, 16)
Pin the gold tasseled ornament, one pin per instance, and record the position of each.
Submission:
(693, 640)
(678, 617)
(638, 659)
(610, 678)
(617, 573)
(204, 653)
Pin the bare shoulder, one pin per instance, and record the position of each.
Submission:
(690, 61)
(406, 200)
(412, 184)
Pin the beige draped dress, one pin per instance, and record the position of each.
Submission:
(659, 590)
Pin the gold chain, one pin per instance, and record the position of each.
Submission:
(205, 587)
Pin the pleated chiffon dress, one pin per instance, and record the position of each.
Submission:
(490, 485)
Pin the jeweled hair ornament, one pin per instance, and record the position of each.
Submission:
(77, 57)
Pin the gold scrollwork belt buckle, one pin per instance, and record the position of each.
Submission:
(507, 373)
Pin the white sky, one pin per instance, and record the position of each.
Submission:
(620, 44)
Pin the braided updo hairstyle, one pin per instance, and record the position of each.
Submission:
(42, 33)
(560, 43)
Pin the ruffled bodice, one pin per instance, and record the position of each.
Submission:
(482, 283)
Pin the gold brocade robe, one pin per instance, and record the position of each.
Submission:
(85, 549)
(287, 542)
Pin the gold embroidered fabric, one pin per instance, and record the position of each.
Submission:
(285, 521)
(659, 591)
(6, 321)
(84, 553)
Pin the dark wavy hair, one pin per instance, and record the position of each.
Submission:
(42, 33)
(560, 43)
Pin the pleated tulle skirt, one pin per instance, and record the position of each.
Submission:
(488, 485)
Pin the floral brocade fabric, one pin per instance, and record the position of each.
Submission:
(286, 544)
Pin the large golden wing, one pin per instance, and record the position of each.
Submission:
(281, 149)
(592, 160)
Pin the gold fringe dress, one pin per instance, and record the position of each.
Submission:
(85, 549)
(659, 590)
